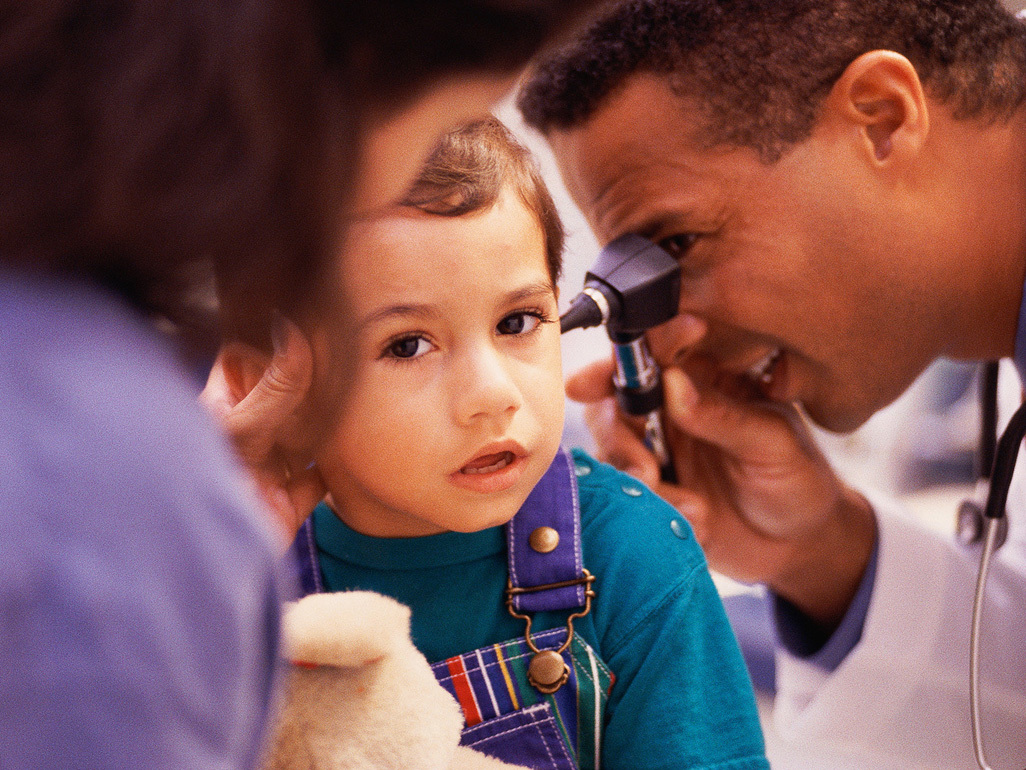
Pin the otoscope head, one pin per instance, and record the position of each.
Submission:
(633, 286)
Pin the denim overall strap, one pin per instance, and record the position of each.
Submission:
(303, 554)
(552, 505)
(514, 711)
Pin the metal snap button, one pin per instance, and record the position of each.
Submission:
(679, 528)
(547, 671)
(544, 540)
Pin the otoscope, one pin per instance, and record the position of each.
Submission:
(633, 286)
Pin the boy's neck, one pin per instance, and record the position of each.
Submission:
(370, 526)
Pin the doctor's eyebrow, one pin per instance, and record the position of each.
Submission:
(657, 222)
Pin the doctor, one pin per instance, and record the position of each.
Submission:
(844, 184)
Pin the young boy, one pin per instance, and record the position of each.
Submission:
(570, 609)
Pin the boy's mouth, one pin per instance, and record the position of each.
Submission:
(496, 467)
(488, 463)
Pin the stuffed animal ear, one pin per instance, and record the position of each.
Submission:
(349, 628)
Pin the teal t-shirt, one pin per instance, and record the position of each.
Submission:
(682, 697)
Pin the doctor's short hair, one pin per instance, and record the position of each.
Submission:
(760, 69)
(468, 169)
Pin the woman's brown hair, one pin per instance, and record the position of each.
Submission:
(151, 145)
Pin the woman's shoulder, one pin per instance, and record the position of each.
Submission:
(101, 406)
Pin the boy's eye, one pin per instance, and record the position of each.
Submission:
(518, 323)
(408, 347)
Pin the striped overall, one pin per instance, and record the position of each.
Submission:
(538, 700)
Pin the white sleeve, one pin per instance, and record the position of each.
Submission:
(901, 697)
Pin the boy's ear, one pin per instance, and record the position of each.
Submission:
(880, 93)
(243, 367)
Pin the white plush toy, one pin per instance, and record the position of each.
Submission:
(360, 695)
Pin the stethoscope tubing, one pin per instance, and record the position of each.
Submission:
(1001, 469)
(989, 543)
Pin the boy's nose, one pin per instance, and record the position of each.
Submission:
(485, 389)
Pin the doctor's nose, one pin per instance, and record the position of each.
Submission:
(672, 340)
(485, 389)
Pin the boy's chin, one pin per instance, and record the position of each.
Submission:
(498, 516)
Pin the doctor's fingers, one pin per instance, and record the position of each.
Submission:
(732, 545)
(689, 504)
(216, 396)
(592, 382)
(269, 415)
(618, 441)
(750, 432)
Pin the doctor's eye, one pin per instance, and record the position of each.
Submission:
(412, 346)
(522, 322)
(678, 245)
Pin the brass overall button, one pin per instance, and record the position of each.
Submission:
(544, 540)
(548, 671)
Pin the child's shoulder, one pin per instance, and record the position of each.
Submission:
(616, 506)
(601, 483)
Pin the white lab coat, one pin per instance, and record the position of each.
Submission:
(901, 697)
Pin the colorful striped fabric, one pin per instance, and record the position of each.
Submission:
(491, 682)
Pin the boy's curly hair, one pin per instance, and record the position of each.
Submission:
(467, 171)
(761, 68)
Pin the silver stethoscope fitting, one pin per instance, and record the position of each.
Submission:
(997, 464)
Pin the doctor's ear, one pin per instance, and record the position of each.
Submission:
(881, 95)
(243, 367)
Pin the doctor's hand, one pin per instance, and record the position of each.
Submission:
(763, 500)
(262, 423)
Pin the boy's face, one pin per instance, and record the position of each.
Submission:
(455, 407)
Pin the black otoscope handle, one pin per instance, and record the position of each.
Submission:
(637, 379)
(639, 392)
(633, 286)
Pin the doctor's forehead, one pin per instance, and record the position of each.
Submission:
(640, 159)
